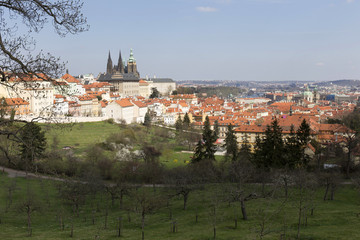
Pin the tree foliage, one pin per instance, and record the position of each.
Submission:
(269, 150)
(231, 144)
(186, 121)
(205, 149)
(154, 93)
(17, 51)
(147, 119)
(20, 61)
(178, 124)
(33, 143)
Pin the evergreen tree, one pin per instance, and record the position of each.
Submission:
(155, 93)
(209, 139)
(147, 119)
(205, 149)
(178, 124)
(216, 130)
(186, 121)
(33, 143)
(231, 144)
(303, 133)
(269, 152)
(303, 137)
(258, 157)
(199, 152)
(292, 150)
(245, 150)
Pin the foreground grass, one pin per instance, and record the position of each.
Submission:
(332, 219)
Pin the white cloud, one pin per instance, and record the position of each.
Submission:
(206, 9)
(350, 1)
(320, 64)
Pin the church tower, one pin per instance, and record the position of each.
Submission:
(109, 67)
(131, 65)
(120, 66)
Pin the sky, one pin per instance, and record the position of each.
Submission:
(246, 40)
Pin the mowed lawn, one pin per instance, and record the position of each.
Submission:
(80, 135)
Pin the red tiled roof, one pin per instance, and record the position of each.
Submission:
(70, 79)
(124, 103)
(15, 101)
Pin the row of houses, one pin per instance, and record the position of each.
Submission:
(38, 95)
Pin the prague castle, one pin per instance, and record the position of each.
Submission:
(125, 79)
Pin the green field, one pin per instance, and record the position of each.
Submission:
(336, 219)
(80, 136)
(270, 217)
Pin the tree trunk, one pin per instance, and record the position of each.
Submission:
(186, 195)
(29, 220)
(332, 192)
(119, 229)
(299, 220)
(263, 187)
(326, 190)
(174, 227)
(61, 222)
(236, 222)
(112, 200)
(129, 216)
(286, 187)
(143, 226)
(72, 228)
(243, 209)
(121, 199)
(106, 218)
(348, 163)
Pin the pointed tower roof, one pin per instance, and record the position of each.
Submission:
(121, 68)
(131, 58)
(109, 64)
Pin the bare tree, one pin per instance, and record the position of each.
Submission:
(11, 187)
(22, 66)
(239, 173)
(305, 185)
(330, 179)
(29, 205)
(17, 51)
(75, 193)
(182, 181)
(145, 202)
(351, 142)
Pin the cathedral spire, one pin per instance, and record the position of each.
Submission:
(131, 58)
(109, 67)
(120, 65)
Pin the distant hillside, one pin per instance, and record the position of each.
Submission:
(345, 82)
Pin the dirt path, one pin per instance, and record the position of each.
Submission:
(12, 173)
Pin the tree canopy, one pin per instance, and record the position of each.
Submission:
(18, 55)
(205, 149)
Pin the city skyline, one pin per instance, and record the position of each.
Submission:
(242, 40)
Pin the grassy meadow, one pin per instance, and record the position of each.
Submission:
(337, 219)
(80, 136)
(209, 207)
